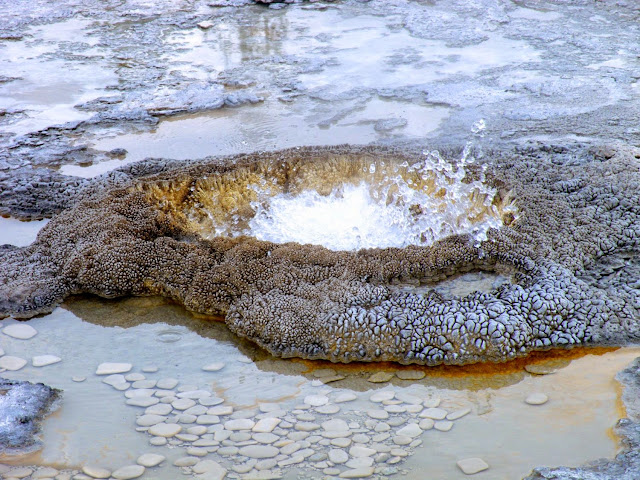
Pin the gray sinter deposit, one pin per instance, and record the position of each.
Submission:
(22, 407)
(147, 230)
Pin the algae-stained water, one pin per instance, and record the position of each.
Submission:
(94, 426)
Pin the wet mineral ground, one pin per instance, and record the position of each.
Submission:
(496, 145)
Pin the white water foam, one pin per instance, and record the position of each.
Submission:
(394, 214)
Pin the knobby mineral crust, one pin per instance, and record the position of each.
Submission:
(22, 407)
(139, 231)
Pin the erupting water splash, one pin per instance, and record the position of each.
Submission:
(410, 205)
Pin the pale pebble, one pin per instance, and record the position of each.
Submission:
(359, 451)
(150, 459)
(158, 441)
(265, 437)
(183, 403)
(78, 378)
(220, 410)
(239, 424)
(380, 377)
(259, 451)
(338, 456)
(128, 472)
(142, 401)
(336, 424)
(435, 413)
(186, 461)
(134, 377)
(266, 425)
(21, 331)
(210, 401)
(44, 472)
(363, 472)
(150, 369)
(196, 410)
(433, 402)
(197, 452)
(213, 367)
(412, 430)
(382, 396)
(340, 442)
(189, 419)
(536, 399)
(197, 430)
(328, 409)
(165, 429)
(167, 383)
(150, 420)
(426, 423)
(144, 384)
(44, 360)
(159, 409)
(109, 368)
(213, 469)
(359, 462)
(360, 438)
(139, 392)
(402, 440)
(378, 414)
(458, 414)
(12, 363)
(345, 397)
(316, 400)
(471, 466)
(443, 425)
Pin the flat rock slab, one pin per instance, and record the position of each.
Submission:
(11, 363)
(21, 331)
(471, 466)
(44, 360)
(112, 368)
(434, 413)
(150, 459)
(128, 472)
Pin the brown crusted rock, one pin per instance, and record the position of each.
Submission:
(165, 228)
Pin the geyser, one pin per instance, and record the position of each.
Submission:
(191, 231)
(342, 203)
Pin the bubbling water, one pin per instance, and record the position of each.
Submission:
(393, 213)
(348, 202)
